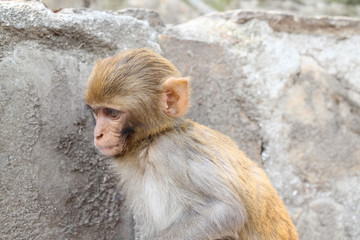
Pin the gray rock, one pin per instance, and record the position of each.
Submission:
(285, 88)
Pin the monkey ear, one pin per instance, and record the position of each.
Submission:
(174, 99)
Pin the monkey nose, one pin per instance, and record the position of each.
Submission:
(98, 137)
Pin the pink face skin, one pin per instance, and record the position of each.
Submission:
(107, 133)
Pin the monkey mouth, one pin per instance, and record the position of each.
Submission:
(107, 147)
(110, 150)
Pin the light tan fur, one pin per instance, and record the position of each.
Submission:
(181, 180)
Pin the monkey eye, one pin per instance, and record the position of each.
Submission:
(95, 112)
(111, 113)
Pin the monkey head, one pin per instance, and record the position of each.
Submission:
(134, 95)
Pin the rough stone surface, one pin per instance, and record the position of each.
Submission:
(285, 88)
(180, 11)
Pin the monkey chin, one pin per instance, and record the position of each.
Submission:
(110, 151)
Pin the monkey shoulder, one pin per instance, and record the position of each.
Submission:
(213, 143)
(193, 142)
(212, 154)
(201, 150)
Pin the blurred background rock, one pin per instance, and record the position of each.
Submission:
(178, 11)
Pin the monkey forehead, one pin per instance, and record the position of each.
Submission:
(120, 98)
(106, 105)
(108, 85)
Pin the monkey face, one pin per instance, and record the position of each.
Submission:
(111, 130)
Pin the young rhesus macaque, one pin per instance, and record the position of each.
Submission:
(181, 180)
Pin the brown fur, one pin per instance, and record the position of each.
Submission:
(181, 180)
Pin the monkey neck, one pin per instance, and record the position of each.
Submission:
(174, 124)
(136, 145)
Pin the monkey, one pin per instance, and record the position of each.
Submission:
(180, 179)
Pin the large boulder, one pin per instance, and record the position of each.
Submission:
(285, 88)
